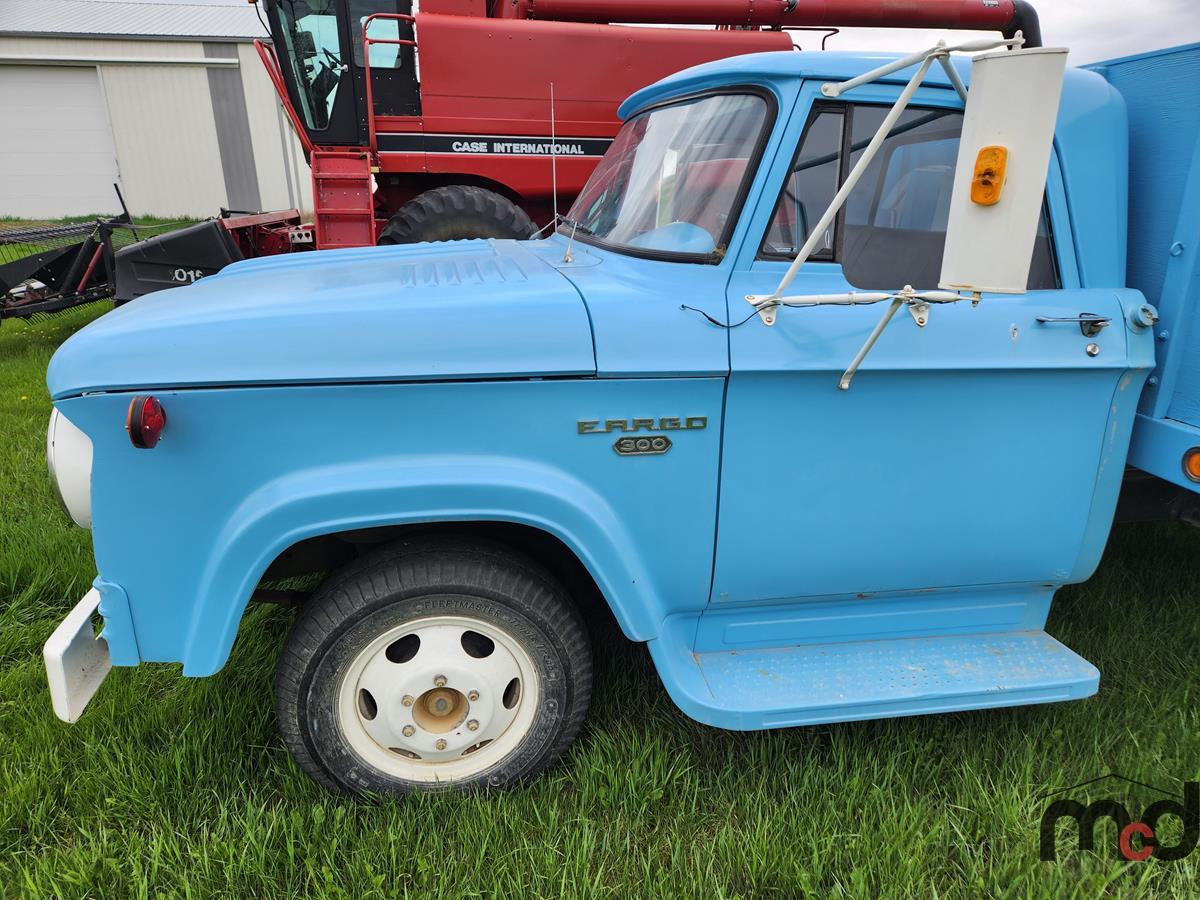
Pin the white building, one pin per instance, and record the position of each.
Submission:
(168, 100)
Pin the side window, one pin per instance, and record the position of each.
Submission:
(809, 189)
(894, 222)
(892, 229)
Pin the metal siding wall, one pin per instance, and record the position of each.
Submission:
(284, 179)
(162, 120)
(47, 46)
(233, 130)
(61, 160)
(165, 128)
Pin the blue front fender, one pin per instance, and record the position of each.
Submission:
(183, 533)
(411, 490)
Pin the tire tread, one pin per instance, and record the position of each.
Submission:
(455, 212)
(437, 564)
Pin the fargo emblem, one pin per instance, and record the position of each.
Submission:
(629, 426)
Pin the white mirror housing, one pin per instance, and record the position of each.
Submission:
(1000, 176)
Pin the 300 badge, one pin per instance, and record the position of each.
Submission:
(643, 446)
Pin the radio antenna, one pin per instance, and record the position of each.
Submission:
(553, 156)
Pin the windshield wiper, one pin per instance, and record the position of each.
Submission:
(575, 225)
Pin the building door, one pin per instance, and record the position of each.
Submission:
(57, 158)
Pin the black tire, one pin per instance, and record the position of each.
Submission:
(457, 212)
(417, 579)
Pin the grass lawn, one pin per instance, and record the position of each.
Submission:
(181, 787)
(143, 227)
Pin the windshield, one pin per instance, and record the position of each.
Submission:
(672, 179)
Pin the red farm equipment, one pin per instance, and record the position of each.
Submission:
(470, 118)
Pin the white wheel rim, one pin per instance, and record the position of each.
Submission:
(443, 712)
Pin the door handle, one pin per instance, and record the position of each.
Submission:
(1089, 323)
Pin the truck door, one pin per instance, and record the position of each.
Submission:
(983, 448)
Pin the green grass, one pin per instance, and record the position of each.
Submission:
(149, 225)
(150, 221)
(174, 787)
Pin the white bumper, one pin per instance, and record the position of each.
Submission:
(77, 661)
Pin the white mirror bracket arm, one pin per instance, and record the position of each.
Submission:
(919, 304)
(768, 305)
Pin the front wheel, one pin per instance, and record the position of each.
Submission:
(434, 664)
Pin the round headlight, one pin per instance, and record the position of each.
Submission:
(69, 458)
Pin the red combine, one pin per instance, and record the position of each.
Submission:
(466, 117)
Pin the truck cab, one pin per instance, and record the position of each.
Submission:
(467, 444)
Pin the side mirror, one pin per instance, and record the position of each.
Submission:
(1000, 177)
(996, 199)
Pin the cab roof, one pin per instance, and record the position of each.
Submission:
(1092, 114)
(781, 65)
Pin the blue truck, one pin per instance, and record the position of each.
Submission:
(474, 442)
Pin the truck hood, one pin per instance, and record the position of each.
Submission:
(464, 309)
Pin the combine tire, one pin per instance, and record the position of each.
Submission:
(455, 213)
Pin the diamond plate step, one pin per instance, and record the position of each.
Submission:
(837, 682)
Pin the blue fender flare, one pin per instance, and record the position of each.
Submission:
(413, 490)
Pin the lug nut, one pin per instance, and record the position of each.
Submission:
(409, 731)
(407, 700)
(472, 725)
(439, 680)
(473, 695)
(441, 744)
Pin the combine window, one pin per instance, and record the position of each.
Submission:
(320, 48)
(310, 32)
(383, 56)
(892, 230)
(394, 87)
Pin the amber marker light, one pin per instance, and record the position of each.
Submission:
(991, 166)
(1191, 464)
(145, 422)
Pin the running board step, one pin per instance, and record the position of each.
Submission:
(840, 682)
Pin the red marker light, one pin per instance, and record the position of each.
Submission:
(146, 421)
